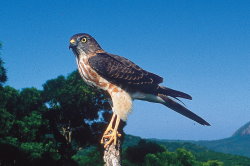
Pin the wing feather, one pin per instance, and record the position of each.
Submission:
(123, 72)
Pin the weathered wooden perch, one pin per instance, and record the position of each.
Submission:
(112, 154)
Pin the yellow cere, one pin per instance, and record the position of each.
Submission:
(72, 41)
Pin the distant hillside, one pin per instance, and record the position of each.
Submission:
(201, 153)
(243, 131)
(226, 149)
(238, 143)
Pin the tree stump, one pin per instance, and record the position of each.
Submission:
(112, 154)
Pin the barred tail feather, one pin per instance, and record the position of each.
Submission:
(173, 93)
(182, 110)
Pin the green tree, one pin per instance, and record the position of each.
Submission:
(180, 157)
(136, 154)
(30, 100)
(165, 158)
(213, 163)
(152, 159)
(28, 128)
(23, 128)
(185, 157)
(38, 149)
(6, 122)
(89, 157)
(9, 98)
(3, 76)
(76, 110)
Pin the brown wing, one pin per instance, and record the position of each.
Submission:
(124, 73)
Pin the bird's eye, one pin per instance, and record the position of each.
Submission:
(84, 40)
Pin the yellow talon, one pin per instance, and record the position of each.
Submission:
(109, 138)
(110, 135)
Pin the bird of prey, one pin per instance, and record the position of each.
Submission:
(124, 81)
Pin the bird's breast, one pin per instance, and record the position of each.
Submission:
(121, 100)
(90, 76)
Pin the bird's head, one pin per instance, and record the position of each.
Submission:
(83, 43)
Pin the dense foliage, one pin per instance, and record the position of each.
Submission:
(203, 154)
(49, 126)
(3, 76)
(149, 153)
(146, 153)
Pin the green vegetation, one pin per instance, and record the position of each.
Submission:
(145, 153)
(3, 76)
(204, 154)
(238, 145)
(195, 155)
(50, 125)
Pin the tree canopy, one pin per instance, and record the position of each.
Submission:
(3, 76)
(51, 124)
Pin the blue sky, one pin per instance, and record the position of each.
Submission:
(200, 47)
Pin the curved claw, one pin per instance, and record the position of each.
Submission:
(111, 138)
(106, 134)
(111, 134)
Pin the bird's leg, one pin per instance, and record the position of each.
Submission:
(111, 133)
(109, 128)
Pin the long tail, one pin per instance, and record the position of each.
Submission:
(179, 108)
(173, 93)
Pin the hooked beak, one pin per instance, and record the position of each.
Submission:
(72, 43)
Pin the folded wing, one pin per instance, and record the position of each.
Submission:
(124, 73)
